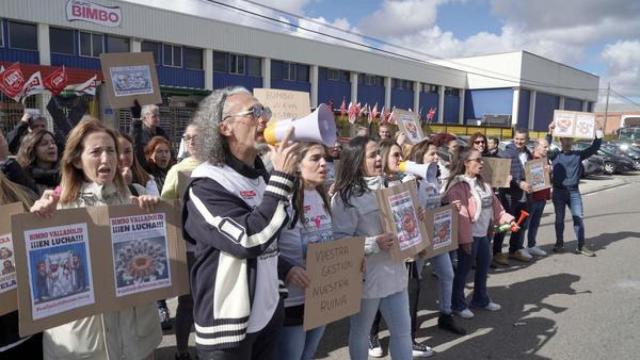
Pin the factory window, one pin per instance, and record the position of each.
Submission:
(337, 75)
(61, 41)
(302, 73)
(402, 84)
(172, 55)
(449, 91)
(1, 34)
(236, 64)
(153, 47)
(90, 44)
(254, 66)
(116, 44)
(430, 88)
(23, 36)
(289, 71)
(219, 61)
(371, 80)
(193, 58)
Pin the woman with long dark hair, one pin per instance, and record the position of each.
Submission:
(38, 157)
(479, 210)
(132, 172)
(355, 213)
(310, 223)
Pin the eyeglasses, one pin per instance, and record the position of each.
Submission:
(256, 112)
(188, 138)
(479, 142)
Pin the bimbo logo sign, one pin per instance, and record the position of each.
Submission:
(95, 13)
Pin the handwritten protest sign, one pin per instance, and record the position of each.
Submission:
(536, 174)
(574, 124)
(409, 123)
(335, 290)
(399, 213)
(496, 171)
(60, 261)
(284, 104)
(8, 279)
(442, 224)
(129, 77)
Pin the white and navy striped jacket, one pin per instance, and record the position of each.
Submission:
(234, 216)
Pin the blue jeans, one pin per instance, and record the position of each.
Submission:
(395, 311)
(443, 268)
(536, 208)
(482, 254)
(572, 199)
(296, 344)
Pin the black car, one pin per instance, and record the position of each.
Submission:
(626, 151)
(593, 165)
(613, 164)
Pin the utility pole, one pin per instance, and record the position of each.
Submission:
(606, 106)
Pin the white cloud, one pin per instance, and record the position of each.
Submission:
(399, 17)
(623, 67)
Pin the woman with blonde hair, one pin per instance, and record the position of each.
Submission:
(91, 177)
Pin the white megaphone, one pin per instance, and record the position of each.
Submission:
(428, 172)
(319, 126)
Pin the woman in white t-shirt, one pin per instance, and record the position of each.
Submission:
(310, 222)
(479, 210)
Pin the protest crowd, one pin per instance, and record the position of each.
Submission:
(249, 218)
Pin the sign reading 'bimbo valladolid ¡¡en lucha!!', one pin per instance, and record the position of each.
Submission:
(68, 269)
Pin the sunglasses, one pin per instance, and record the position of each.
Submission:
(256, 112)
(479, 142)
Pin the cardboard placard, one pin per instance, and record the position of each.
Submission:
(335, 290)
(574, 124)
(399, 213)
(409, 124)
(8, 278)
(67, 269)
(129, 77)
(442, 224)
(284, 104)
(537, 175)
(496, 171)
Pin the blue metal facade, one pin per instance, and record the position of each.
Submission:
(15, 55)
(429, 100)
(221, 80)
(523, 109)
(335, 90)
(371, 94)
(278, 81)
(572, 104)
(451, 109)
(402, 98)
(590, 106)
(478, 103)
(545, 104)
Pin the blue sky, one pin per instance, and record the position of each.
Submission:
(600, 37)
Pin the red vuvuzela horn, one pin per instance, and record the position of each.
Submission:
(523, 215)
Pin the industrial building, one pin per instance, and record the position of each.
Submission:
(195, 54)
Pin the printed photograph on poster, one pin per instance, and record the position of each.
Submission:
(59, 269)
(585, 126)
(140, 253)
(409, 123)
(442, 226)
(131, 80)
(564, 124)
(405, 219)
(7, 263)
(537, 176)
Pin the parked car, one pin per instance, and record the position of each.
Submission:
(625, 151)
(593, 165)
(613, 164)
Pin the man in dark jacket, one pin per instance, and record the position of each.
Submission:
(28, 123)
(233, 213)
(567, 170)
(145, 124)
(515, 198)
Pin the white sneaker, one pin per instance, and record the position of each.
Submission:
(536, 251)
(525, 253)
(375, 350)
(493, 307)
(465, 314)
(421, 351)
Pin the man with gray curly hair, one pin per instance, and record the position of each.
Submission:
(233, 213)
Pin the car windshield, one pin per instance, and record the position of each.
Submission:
(629, 134)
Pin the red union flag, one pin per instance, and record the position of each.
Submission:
(32, 86)
(12, 81)
(56, 81)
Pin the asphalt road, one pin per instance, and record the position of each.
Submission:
(559, 307)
